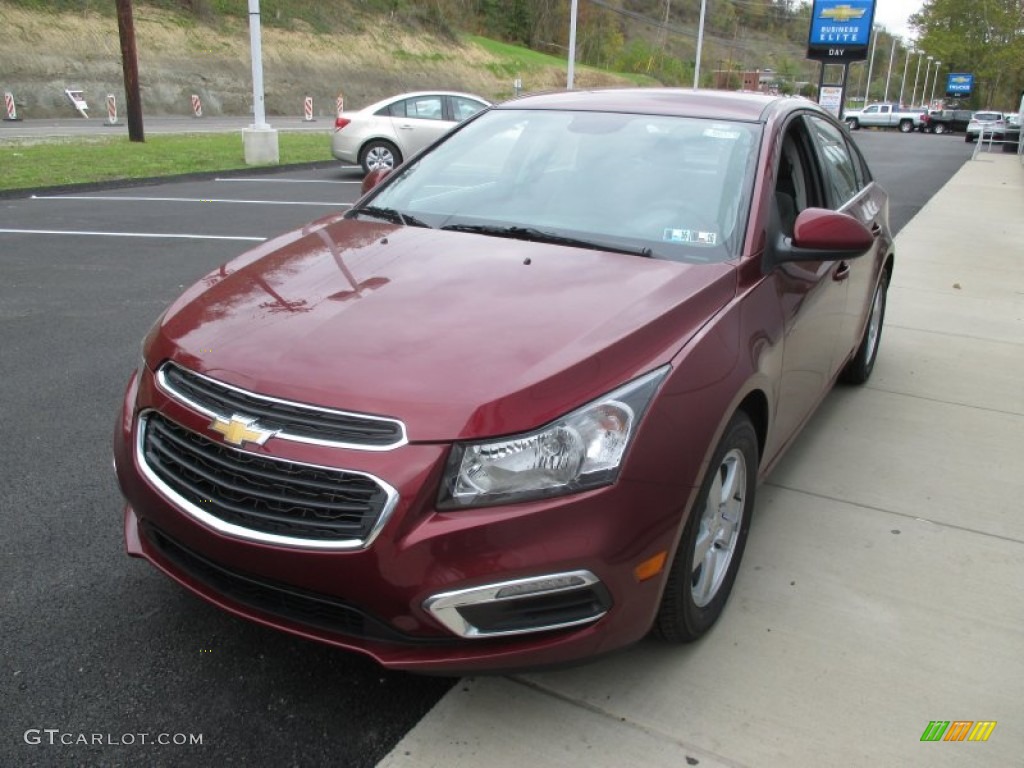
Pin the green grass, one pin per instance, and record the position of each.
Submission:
(27, 165)
(515, 60)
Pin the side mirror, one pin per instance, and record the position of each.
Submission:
(374, 177)
(819, 235)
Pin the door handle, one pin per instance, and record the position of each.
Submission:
(841, 272)
(405, 126)
(876, 229)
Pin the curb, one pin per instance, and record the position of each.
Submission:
(94, 186)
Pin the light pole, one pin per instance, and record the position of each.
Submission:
(259, 140)
(903, 82)
(917, 73)
(888, 72)
(935, 81)
(700, 44)
(572, 47)
(924, 87)
(871, 65)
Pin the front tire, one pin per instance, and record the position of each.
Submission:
(859, 369)
(940, 128)
(379, 154)
(969, 138)
(709, 553)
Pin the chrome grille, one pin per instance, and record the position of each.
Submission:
(292, 421)
(262, 498)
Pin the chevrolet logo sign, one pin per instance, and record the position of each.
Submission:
(959, 80)
(843, 13)
(240, 430)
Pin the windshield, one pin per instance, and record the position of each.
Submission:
(668, 187)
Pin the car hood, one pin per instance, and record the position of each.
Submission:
(459, 335)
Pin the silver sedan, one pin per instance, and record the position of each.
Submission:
(382, 135)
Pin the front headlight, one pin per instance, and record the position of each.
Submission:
(579, 451)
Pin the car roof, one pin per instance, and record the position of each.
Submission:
(683, 102)
(415, 94)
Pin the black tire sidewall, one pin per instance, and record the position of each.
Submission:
(679, 618)
(859, 369)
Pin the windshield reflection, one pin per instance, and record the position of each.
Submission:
(678, 187)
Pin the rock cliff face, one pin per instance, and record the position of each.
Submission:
(44, 53)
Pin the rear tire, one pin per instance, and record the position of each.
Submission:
(379, 154)
(906, 126)
(709, 553)
(940, 128)
(859, 369)
(853, 124)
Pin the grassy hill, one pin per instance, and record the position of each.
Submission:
(367, 54)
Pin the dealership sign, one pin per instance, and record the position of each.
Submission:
(959, 84)
(840, 30)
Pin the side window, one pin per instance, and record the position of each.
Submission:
(796, 187)
(838, 165)
(463, 108)
(871, 110)
(424, 108)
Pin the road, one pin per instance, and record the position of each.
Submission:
(96, 644)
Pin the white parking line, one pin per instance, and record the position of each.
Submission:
(126, 234)
(110, 198)
(294, 181)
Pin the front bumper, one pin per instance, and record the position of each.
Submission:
(402, 600)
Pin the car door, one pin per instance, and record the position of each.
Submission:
(811, 294)
(418, 121)
(850, 189)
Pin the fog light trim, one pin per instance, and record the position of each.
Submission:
(445, 606)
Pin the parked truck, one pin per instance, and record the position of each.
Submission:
(883, 116)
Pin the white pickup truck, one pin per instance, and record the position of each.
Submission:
(882, 116)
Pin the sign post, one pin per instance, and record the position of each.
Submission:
(10, 107)
(840, 32)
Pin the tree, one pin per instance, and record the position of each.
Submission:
(985, 40)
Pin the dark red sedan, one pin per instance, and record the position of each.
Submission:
(511, 409)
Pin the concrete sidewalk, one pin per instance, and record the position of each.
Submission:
(883, 582)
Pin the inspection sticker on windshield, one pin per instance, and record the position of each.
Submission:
(691, 236)
(721, 132)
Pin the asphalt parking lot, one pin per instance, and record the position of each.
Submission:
(881, 589)
(93, 642)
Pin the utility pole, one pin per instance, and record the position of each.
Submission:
(130, 67)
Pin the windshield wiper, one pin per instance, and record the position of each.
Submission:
(540, 236)
(392, 215)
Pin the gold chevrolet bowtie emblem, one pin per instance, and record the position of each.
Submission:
(241, 430)
(843, 13)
